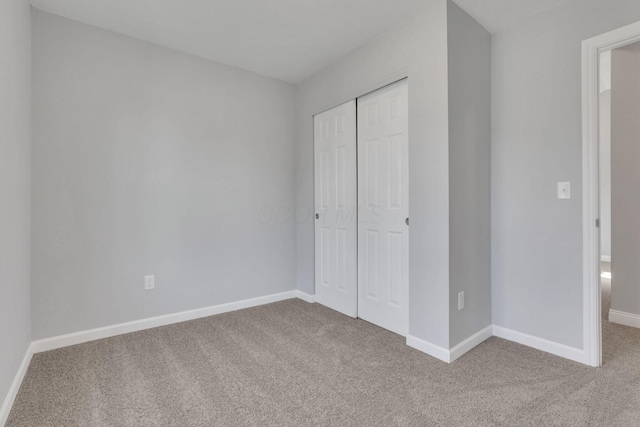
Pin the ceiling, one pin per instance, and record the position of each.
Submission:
(286, 39)
(496, 15)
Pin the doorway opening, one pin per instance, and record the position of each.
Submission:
(604, 180)
(599, 202)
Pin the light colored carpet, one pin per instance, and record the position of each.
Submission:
(298, 364)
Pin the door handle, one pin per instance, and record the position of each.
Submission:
(317, 216)
(406, 221)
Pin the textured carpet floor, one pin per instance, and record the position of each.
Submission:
(298, 364)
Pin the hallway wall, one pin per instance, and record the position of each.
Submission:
(625, 179)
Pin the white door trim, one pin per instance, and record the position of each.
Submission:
(591, 48)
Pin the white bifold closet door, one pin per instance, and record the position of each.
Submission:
(336, 209)
(383, 217)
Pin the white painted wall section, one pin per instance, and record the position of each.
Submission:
(148, 161)
(15, 195)
(537, 281)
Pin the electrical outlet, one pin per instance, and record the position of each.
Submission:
(460, 300)
(149, 283)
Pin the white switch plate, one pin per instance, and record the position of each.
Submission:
(149, 283)
(460, 300)
(564, 190)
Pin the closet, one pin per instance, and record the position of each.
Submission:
(362, 213)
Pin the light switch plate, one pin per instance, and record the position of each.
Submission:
(564, 190)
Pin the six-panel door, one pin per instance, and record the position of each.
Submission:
(336, 211)
(383, 195)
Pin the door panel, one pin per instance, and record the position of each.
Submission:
(383, 178)
(336, 223)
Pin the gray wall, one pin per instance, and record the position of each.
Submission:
(536, 142)
(420, 46)
(625, 179)
(151, 161)
(605, 173)
(15, 188)
(469, 174)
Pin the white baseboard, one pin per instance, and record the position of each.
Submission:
(15, 386)
(622, 318)
(153, 322)
(453, 354)
(466, 345)
(429, 348)
(572, 353)
(305, 296)
(605, 258)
